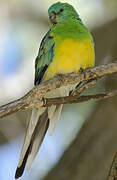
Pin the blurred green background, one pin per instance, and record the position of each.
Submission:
(22, 26)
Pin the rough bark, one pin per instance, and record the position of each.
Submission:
(35, 98)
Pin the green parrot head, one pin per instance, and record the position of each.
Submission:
(62, 12)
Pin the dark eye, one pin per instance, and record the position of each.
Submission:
(61, 10)
(79, 19)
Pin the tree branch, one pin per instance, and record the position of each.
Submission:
(76, 99)
(35, 98)
(113, 170)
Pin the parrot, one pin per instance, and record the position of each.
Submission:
(67, 47)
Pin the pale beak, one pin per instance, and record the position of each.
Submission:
(53, 18)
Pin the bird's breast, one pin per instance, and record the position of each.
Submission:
(70, 55)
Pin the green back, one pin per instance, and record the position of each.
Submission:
(45, 55)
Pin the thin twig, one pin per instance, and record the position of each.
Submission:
(113, 170)
(76, 99)
(35, 98)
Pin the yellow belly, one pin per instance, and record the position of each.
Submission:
(70, 56)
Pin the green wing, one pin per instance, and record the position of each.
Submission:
(44, 58)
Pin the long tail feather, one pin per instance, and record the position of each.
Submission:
(54, 119)
(30, 129)
(36, 131)
(40, 132)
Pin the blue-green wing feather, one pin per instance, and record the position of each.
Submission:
(44, 58)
